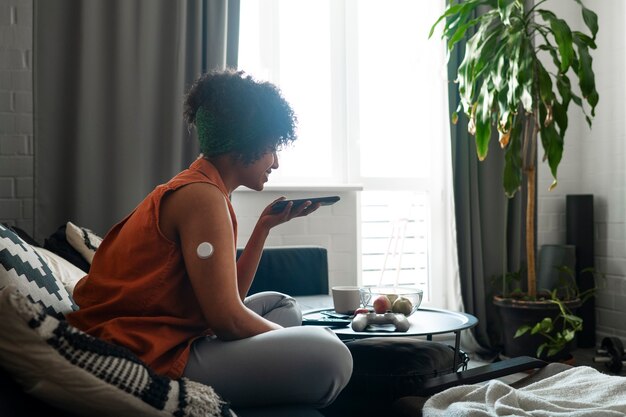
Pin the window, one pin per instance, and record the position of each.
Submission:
(369, 90)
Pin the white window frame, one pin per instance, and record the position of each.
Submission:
(344, 127)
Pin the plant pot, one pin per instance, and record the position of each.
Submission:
(517, 313)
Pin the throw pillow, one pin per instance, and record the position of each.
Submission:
(64, 271)
(83, 240)
(86, 376)
(23, 234)
(21, 266)
(57, 243)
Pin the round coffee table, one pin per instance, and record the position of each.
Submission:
(424, 322)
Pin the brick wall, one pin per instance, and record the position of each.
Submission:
(16, 113)
(594, 163)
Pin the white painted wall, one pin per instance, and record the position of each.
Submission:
(332, 227)
(594, 163)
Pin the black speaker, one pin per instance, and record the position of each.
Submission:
(580, 232)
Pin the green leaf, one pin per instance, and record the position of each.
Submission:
(483, 125)
(559, 112)
(453, 9)
(545, 84)
(460, 33)
(522, 330)
(573, 319)
(552, 50)
(553, 351)
(564, 86)
(590, 19)
(459, 13)
(540, 349)
(563, 38)
(569, 335)
(486, 49)
(553, 147)
(546, 325)
(506, 8)
(512, 176)
(585, 39)
(586, 76)
(513, 87)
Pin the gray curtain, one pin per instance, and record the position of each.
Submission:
(109, 83)
(489, 226)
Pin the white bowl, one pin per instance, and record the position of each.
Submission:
(414, 295)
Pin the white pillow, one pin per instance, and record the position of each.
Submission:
(62, 269)
(86, 376)
(83, 240)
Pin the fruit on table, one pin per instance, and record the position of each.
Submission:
(392, 297)
(382, 304)
(402, 305)
(361, 310)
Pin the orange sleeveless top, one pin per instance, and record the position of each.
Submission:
(137, 293)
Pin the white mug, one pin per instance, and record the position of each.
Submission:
(346, 299)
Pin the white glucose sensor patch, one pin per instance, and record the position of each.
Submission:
(204, 250)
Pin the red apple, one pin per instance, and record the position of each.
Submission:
(382, 304)
(361, 311)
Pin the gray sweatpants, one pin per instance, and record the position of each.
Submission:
(304, 365)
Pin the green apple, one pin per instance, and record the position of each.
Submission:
(402, 305)
(392, 297)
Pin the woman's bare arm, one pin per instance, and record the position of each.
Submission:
(199, 213)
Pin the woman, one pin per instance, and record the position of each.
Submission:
(165, 283)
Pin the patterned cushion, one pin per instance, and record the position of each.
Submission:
(83, 240)
(86, 376)
(64, 271)
(57, 243)
(21, 266)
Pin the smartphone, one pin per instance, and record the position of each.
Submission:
(324, 201)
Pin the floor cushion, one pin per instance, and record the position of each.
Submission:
(388, 368)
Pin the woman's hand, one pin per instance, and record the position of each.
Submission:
(249, 259)
(270, 220)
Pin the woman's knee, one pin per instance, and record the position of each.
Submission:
(277, 307)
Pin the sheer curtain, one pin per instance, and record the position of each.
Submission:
(109, 83)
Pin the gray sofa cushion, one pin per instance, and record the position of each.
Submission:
(293, 270)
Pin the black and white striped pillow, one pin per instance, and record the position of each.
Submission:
(21, 265)
(86, 376)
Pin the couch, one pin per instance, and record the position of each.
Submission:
(49, 368)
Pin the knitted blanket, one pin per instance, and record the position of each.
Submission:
(576, 392)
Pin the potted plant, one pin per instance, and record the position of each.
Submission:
(505, 86)
(558, 332)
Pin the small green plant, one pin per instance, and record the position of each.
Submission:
(558, 332)
(511, 283)
(561, 330)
